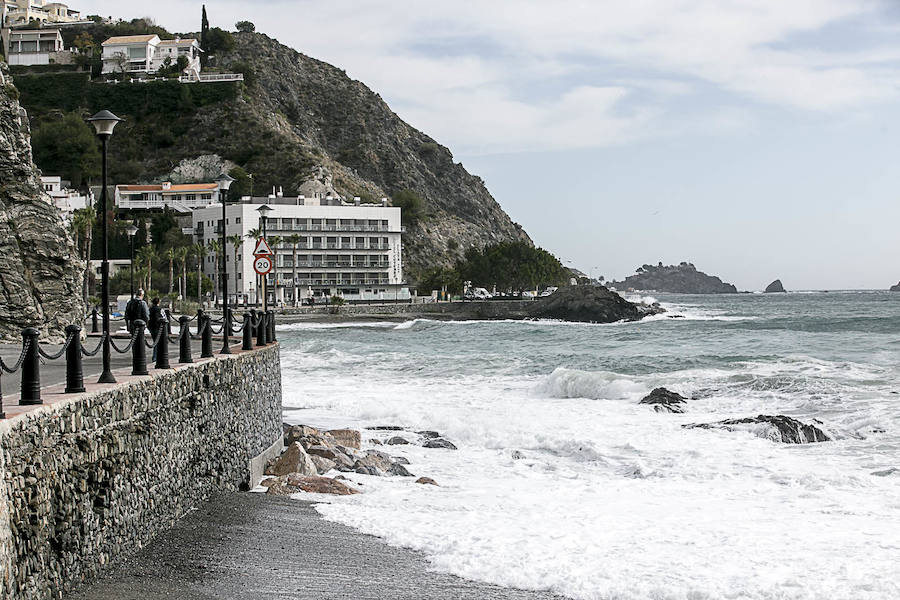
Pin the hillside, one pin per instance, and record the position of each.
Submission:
(39, 276)
(294, 114)
(677, 279)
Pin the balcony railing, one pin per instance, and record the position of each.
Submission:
(282, 249)
(337, 265)
(350, 228)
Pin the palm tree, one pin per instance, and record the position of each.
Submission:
(274, 242)
(83, 227)
(200, 252)
(254, 234)
(236, 242)
(170, 254)
(294, 239)
(216, 248)
(182, 254)
(146, 255)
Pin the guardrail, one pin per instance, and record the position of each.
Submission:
(260, 325)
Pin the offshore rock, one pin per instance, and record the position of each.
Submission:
(439, 443)
(777, 428)
(895, 288)
(775, 287)
(589, 304)
(40, 276)
(683, 278)
(664, 400)
(426, 481)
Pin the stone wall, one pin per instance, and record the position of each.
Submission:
(88, 480)
(484, 309)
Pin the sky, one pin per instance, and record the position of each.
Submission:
(757, 139)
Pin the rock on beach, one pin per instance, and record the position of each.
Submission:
(778, 428)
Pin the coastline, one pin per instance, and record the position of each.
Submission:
(247, 545)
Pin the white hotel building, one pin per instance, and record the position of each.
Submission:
(346, 249)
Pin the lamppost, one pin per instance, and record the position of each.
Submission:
(224, 182)
(131, 230)
(264, 211)
(104, 122)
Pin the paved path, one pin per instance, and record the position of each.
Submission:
(249, 546)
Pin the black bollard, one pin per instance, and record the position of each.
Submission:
(162, 349)
(271, 326)
(168, 321)
(74, 370)
(184, 354)
(253, 320)
(248, 332)
(139, 350)
(261, 329)
(204, 322)
(31, 368)
(226, 331)
(95, 327)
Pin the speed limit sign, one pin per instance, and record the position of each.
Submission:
(262, 264)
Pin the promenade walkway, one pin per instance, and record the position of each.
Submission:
(247, 546)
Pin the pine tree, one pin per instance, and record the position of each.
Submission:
(204, 37)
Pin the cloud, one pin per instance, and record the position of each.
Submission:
(523, 75)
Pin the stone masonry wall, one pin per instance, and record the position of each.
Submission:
(92, 479)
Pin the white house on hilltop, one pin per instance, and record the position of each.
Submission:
(35, 47)
(181, 198)
(22, 12)
(65, 199)
(134, 54)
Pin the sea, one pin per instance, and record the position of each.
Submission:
(562, 481)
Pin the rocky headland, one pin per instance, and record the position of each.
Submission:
(683, 278)
(895, 288)
(589, 304)
(39, 274)
(775, 287)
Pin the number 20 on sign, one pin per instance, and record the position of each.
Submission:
(262, 264)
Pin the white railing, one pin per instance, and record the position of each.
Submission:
(209, 77)
(176, 205)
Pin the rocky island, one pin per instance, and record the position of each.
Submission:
(895, 288)
(775, 287)
(677, 279)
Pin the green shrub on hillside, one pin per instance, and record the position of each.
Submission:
(412, 207)
(67, 147)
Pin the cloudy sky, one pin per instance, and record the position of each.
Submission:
(755, 138)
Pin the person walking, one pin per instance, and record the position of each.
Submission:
(154, 322)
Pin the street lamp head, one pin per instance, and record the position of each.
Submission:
(264, 210)
(104, 122)
(131, 230)
(224, 181)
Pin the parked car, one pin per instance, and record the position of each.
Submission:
(548, 291)
(478, 294)
(528, 295)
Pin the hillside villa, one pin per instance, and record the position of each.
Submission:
(181, 198)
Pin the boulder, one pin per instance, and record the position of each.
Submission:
(439, 443)
(589, 304)
(375, 442)
(397, 441)
(384, 428)
(775, 287)
(295, 482)
(323, 465)
(341, 460)
(293, 460)
(398, 469)
(664, 400)
(373, 460)
(374, 471)
(777, 428)
(345, 437)
(294, 433)
(429, 434)
(426, 481)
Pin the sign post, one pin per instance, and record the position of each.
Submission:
(263, 264)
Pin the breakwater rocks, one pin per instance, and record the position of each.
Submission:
(312, 453)
(664, 400)
(93, 478)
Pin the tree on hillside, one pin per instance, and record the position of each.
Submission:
(511, 266)
(85, 45)
(241, 185)
(67, 148)
(218, 40)
(245, 26)
(412, 207)
(204, 37)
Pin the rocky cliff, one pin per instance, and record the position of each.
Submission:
(39, 274)
(678, 279)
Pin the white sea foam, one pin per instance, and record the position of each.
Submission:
(610, 499)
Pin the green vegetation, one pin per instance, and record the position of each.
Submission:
(67, 147)
(245, 26)
(510, 266)
(412, 207)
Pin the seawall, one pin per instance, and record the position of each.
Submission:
(95, 476)
(487, 309)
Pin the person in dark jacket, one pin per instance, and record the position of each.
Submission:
(154, 322)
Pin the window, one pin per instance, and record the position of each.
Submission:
(237, 220)
(137, 53)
